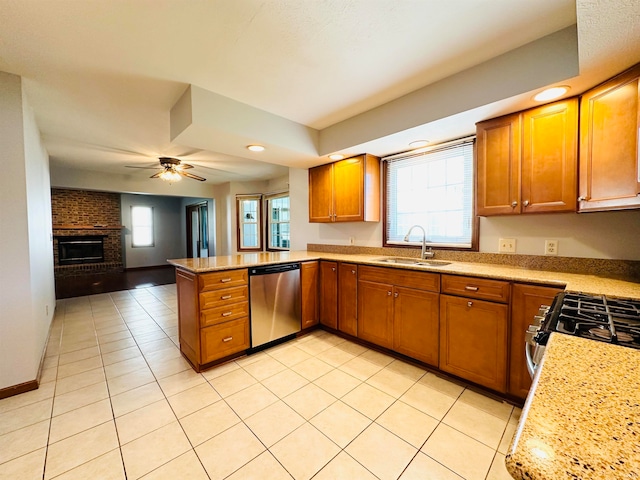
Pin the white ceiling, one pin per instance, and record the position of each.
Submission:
(103, 76)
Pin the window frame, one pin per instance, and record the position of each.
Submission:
(134, 227)
(240, 222)
(475, 220)
(268, 223)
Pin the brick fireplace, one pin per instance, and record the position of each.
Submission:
(87, 215)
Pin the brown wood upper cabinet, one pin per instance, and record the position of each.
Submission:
(527, 161)
(345, 191)
(609, 136)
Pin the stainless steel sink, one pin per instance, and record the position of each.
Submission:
(413, 261)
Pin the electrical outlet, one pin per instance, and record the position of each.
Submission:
(507, 245)
(551, 247)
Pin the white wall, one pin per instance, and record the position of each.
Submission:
(608, 235)
(167, 225)
(27, 296)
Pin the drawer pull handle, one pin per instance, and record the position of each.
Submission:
(469, 304)
(225, 280)
(225, 297)
(471, 289)
(226, 314)
(227, 339)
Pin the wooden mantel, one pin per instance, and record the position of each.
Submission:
(86, 227)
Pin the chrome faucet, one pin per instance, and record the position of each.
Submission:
(425, 253)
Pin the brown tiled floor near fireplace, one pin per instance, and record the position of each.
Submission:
(112, 282)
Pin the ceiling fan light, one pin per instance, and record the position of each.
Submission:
(170, 176)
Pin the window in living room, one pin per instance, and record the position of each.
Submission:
(142, 226)
(249, 222)
(278, 215)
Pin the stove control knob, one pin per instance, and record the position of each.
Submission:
(530, 334)
(537, 320)
(543, 310)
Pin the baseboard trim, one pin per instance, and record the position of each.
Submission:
(18, 389)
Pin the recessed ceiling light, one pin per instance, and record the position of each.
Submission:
(255, 148)
(336, 156)
(551, 93)
(419, 143)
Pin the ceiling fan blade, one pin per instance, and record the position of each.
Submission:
(157, 175)
(148, 168)
(191, 175)
(183, 166)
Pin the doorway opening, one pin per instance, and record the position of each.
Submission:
(197, 230)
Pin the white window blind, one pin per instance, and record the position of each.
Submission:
(141, 226)
(433, 189)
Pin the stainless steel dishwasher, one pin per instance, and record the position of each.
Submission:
(274, 292)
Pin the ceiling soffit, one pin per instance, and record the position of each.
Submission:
(207, 120)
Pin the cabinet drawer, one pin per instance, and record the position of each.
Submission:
(225, 279)
(218, 298)
(224, 339)
(472, 287)
(212, 316)
(403, 278)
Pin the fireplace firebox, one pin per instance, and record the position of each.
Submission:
(81, 249)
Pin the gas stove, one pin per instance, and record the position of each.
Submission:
(612, 320)
(596, 317)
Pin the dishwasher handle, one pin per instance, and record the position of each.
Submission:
(278, 268)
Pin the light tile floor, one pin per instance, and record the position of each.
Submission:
(117, 400)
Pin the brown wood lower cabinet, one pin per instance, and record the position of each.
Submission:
(309, 276)
(348, 298)
(526, 300)
(473, 340)
(329, 294)
(213, 315)
(398, 309)
(375, 313)
(415, 324)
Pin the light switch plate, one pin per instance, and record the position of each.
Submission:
(507, 245)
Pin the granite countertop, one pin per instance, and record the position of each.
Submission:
(582, 417)
(570, 281)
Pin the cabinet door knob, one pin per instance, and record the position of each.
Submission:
(514, 204)
(389, 293)
(353, 271)
(227, 339)
(395, 295)
(525, 203)
(469, 304)
(333, 269)
(581, 198)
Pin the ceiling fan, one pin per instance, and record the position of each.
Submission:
(172, 170)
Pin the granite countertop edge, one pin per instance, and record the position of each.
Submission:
(591, 284)
(582, 416)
